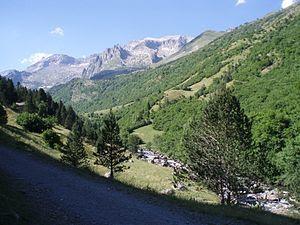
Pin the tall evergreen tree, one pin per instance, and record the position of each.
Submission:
(29, 104)
(61, 113)
(89, 131)
(74, 153)
(217, 145)
(7, 92)
(42, 109)
(109, 146)
(3, 116)
(70, 118)
(78, 126)
(41, 95)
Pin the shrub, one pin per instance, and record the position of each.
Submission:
(51, 138)
(50, 121)
(133, 143)
(32, 122)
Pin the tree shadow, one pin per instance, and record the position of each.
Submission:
(252, 215)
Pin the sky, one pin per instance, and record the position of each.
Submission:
(32, 29)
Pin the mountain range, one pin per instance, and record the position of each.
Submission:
(136, 55)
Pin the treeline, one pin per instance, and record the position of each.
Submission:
(39, 113)
(36, 102)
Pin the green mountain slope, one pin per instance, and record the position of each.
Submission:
(259, 60)
(221, 57)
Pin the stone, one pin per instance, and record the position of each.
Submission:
(107, 175)
(181, 187)
(167, 191)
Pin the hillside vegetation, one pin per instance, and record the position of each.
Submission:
(258, 60)
(228, 51)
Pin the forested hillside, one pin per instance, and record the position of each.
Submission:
(258, 60)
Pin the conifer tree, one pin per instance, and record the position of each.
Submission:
(77, 126)
(29, 104)
(217, 145)
(61, 113)
(70, 118)
(110, 152)
(3, 116)
(41, 95)
(74, 153)
(42, 109)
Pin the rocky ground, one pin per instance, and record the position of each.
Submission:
(267, 198)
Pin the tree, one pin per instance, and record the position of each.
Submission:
(51, 138)
(288, 160)
(89, 131)
(133, 143)
(42, 109)
(8, 93)
(70, 118)
(41, 96)
(32, 122)
(3, 116)
(74, 153)
(109, 146)
(217, 145)
(78, 126)
(29, 104)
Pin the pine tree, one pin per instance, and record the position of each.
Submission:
(8, 93)
(41, 95)
(74, 153)
(89, 131)
(42, 109)
(109, 146)
(61, 113)
(29, 104)
(3, 116)
(70, 118)
(217, 145)
(77, 126)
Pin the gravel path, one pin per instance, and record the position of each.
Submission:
(61, 196)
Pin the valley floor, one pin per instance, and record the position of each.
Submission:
(60, 195)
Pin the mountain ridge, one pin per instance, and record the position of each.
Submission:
(60, 68)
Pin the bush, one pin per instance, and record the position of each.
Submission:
(51, 138)
(50, 121)
(133, 143)
(3, 116)
(32, 122)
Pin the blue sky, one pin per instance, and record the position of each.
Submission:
(80, 28)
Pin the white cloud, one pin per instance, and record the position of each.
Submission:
(240, 2)
(57, 31)
(287, 3)
(35, 57)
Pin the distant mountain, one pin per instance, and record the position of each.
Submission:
(199, 42)
(15, 75)
(136, 55)
(55, 69)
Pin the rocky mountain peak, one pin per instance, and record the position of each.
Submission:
(119, 59)
(56, 59)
